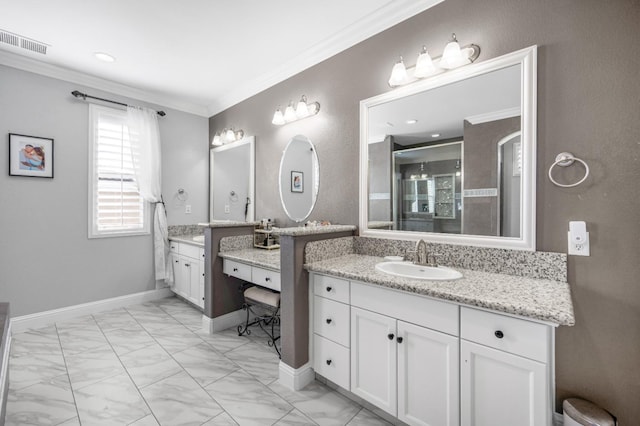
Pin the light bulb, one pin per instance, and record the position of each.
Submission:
(424, 65)
(230, 136)
(452, 56)
(289, 113)
(398, 74)
(216, 140)
(278, 118)
(302, 110)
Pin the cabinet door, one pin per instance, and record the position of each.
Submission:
(177, 271)
(183, 278)
(193, 290)
(373, 359)
(498, 388)
(428, 367)
(201, 272)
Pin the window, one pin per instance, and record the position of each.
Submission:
(116, 207)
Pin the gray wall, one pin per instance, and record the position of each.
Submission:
(46, 259)
(588, 61)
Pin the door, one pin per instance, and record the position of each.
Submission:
(499, 388)
(428, 370)
(373, 359)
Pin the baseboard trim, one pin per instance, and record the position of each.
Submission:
(43, 319)
(296, 378)
(231, 319)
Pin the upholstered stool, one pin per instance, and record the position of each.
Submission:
(269, 303)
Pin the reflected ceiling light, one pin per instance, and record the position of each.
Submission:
(104, 57)
(302, 110)
(435, 135)
(453, 56)
(412, 121)
(226, 136)
(398, 74)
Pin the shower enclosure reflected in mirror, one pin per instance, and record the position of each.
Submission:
(232, 181)
(453, 156)
(299, 178)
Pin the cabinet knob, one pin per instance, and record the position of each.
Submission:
(187, 265)
(176, 261)
(399, 339)
(329, 288)
(329, 362)
(499, 334)
(235, 269)
(390, 336)
(329, 320)
(267, 279)
(203, 275)
(203, 298)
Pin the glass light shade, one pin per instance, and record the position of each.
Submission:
(424, 65)
(239, 135)
(398, 74)
(302, 110)
(230, 136)
(290, 114)
(278, 118)
(452, 57)
(216, 140)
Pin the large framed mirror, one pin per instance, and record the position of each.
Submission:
(452, 158)
(232, 181)
(299, 178)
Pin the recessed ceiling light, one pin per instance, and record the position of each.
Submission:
(104, 57)
(412, 121)
(435, 135)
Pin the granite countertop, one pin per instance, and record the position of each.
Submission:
(254, 256)
(187, 239)
(226, 224)
(310, 230)
(539, 299)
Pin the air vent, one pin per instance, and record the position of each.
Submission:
(23, 42)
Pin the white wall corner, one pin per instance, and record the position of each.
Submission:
(296, 378)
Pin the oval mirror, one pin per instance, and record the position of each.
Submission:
(299, 178)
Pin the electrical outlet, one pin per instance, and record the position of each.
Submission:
(578, 239)
(227, 209)
(187, 209)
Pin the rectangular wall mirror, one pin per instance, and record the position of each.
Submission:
(232, 181)
(452, 158)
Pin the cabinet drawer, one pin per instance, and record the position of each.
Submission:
(174, 247)
(331, 288)
(201, 254)
(265, 278)
(520, 337)
(331, 360)
(237, 269)
(331, 320)
(419, 310)
(190, 251)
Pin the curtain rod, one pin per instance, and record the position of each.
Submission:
(84, 96)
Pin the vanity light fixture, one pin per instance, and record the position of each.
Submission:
(302, 110)
(226, 136)
(412, 121)
(453, 56)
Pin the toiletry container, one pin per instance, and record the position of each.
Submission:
(578, 412)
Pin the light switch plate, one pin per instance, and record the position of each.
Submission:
(187, 209)
(227, 209)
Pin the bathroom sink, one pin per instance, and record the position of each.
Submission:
(199, 239)
(419, 272)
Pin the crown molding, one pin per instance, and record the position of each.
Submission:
(54, 71)
(385, 17)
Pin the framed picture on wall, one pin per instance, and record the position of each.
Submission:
(297, 181)
(30, 156)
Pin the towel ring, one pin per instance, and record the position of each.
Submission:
(182, 195)
(565, 159)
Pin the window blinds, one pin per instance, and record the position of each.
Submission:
(118, 206)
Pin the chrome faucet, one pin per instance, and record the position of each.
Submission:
(421, 257)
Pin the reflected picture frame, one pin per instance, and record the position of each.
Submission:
(297, 181)
(30, 156)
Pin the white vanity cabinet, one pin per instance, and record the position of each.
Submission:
(253, 274)
(188, 272)
(431, 362)
(506, 370)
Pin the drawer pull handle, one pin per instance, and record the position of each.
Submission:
(176, 261)
(390, 336)
(187, 265)
(328, 362)
(267, 279)
(499, 334)
(203, 275)
(235, 269)
(202, 298)
(329, 320)
(329, 288)
(399, 339)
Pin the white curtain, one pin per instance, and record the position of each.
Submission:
(144, 134)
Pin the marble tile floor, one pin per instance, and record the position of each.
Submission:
(150, 364)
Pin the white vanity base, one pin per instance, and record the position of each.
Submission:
(232, 319)
(296, 378)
